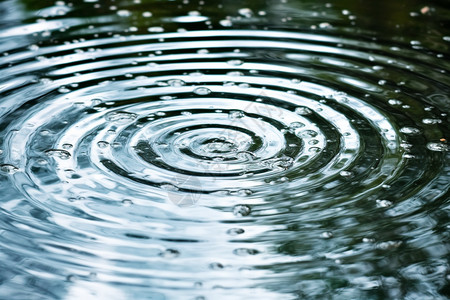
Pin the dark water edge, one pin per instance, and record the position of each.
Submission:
(224, 149)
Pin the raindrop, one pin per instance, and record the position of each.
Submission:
(202, 91)
(176, 82)
(235, 62)
(241, 210)
(8, 169)
(59, 153)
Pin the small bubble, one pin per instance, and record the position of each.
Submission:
(410, 130)
(8, 169)
(202, 91)
(368, 240)
(439, 147)
(170, 253)
(384, 203)
(241, 210)
(59, 153)
(147, 14)
(235, 231)
(245, 251)
(308, 134)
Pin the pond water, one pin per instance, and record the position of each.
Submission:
(224, 150)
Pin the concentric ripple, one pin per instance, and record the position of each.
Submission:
(222, 164)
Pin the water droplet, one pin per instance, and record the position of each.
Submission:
(63, 90)
(216, 266)
(123, 13)
(245, 251)
(431, 121)
(102, 144)
(303, 111)
(235, 62)
(241, 210)
(147, 14)
(345, 173)
(394, 102)
(59, 153)
(226, 23)
(202, 91)
(120, 117)
(410, 130)
(384, 203)
(72, 278)
(176, 82)
(308, 134)
(236, 114)
(246, 12)
(170, 253)
(127, 202)
(295, 125)
(235, 231)
(156, 29)
(8, 169)
(439, 147)
(326, 235)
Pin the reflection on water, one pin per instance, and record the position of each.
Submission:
(227, 150)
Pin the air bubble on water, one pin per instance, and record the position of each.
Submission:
(384, 203)
(235, 231)
(67, 146)
(176, 82)
(59, 153)
(166, 98)
(314, 150)
(429, 121)
(368, 240)
(147, 14)
(8, 169)
(394, 102)
(245, 251)
(235, 73)
(308, 134)
(170, 253)
(102, 144)
(226, 23)
(169, 187)
(410, 130)
(120, 117)
(241, 210)
(439, 147)
(202, 91)
(303, 111)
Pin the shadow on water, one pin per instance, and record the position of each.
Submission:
(224, 150)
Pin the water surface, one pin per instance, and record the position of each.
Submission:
(224, 150)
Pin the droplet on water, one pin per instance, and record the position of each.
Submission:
(303, 111)
(245, 251)
(8, 169)
(410, 130)
(59, 153)
(202, 91)
(384, 203)
(170, 253)
(241, 210)
(120, 117)
(439, 147)
(235, 231)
